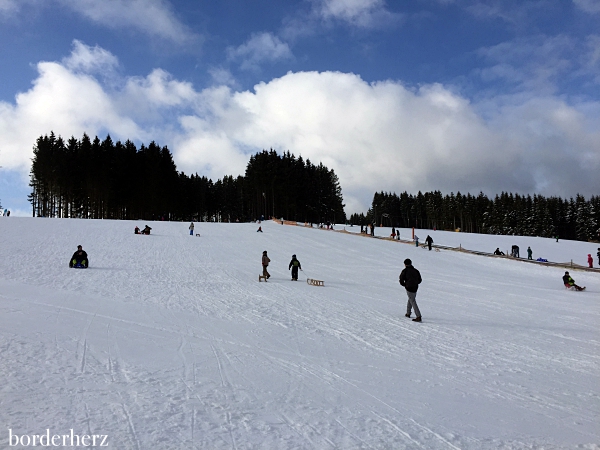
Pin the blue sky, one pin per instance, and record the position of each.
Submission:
(429, 94)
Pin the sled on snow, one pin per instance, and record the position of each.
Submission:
(314, 282)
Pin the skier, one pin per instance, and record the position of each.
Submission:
(410, 278)
(590, 261)
(265, 263)
(529, 253)
(191, 227)
(570, 282)
(294, 265)
(429, 241)
(79, 258)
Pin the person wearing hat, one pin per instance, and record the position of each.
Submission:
(410, 278)
(570, 282)
(590, 261)
(265, 263)
(294, 265)
(79, 258)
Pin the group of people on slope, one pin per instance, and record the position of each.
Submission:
(294, 266)
(146, 230)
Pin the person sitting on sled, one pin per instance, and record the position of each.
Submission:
(570, 282)
(294, 265)
(136, 230)
(79, 258)
(146, 230)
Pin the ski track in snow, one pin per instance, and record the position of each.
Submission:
(169, 341)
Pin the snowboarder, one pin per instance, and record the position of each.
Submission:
(265, 263)
(146, 230)
(79, 259)
(570, 282)
(410, 278)
(294, 265)
(529, 253)
(590, 261)
(429, 241)
(191, 227)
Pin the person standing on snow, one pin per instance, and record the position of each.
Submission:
(410, 278)
(192, 229)
(590, 261)
(598, 256)
(529, 253)
(429, 241)
(265, 264)
(294, 265)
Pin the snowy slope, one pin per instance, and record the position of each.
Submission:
(168, 341)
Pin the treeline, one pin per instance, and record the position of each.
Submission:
(507, 213)
(96, 179)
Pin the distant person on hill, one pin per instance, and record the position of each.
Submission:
(373, 229)
(259, 230)
(410, 278)
(146, 230)
(416, 240)
(498, 252)
(265, 264)
(514, 251)
(570, 282)
(393, 235)
(590, 261)
(79, 258)
(429, 241)
(598, 256)
(191, 227)
(529, 253)
(294, 265)
(136, 230)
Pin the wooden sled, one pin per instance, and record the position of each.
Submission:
(314, 282)
(262, 277)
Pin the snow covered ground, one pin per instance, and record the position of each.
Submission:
(169, 341)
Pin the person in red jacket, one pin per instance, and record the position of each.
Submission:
(590, 261)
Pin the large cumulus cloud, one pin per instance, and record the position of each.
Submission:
(376, 136)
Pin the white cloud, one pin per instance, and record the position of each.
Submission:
(360, 13)
(591, 6)
(260, 48)
(153, 17)
(90, 59)
(376, 136)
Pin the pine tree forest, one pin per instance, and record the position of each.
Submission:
(507, 213)
(96, 179)
(113, 180)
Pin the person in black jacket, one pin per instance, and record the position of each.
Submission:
(79, 258)
(410, 278)
(570, 282)
(429, 241)
(294, 265)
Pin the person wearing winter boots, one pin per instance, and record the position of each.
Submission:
(410, 278)
(570, 282)
(191, 227)
(265, 264)
(590, 261)
(429, 241)
(294, 265)
(529, 253)
(79, 259)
